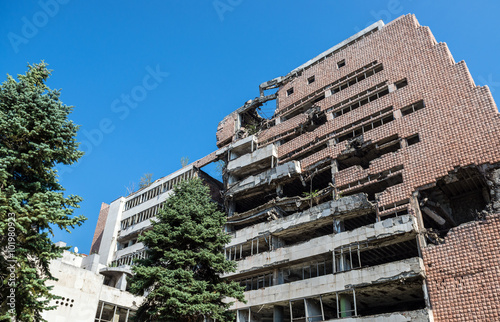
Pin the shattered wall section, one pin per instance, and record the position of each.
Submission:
(463, 274)
(225, 130)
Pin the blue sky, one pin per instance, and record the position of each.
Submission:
(150, 80)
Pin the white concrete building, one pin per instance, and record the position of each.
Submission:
(84, 296)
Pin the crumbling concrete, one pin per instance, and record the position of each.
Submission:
(331, 283)
(281, 172)
(323, 245)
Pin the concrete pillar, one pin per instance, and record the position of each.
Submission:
(279, 190)
(231, 208)
(121, 284)
(345, 305)
(278, 315)
(338, 226)
(335, 169)
(275, 276)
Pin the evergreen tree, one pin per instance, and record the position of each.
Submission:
(35, 136)
(182, 275)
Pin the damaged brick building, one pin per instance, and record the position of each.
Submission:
(372, 191)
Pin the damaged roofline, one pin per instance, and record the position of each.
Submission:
(276, 82)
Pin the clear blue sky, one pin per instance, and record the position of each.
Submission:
(150, 80)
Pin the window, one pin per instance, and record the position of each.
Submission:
(412, 108)
(341, 63)
(412, 139)
(402, 83)
(110, 312)
(311, 80)
(289, 91)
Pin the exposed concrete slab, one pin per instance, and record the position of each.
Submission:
(243, 146)
(326, 244)
(282, 171)
(342, 207)
(250, 159)
(415, 316)
(332, 283)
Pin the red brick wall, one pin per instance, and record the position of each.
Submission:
(99, 228)
(456, 110)
(463, 275)
(205, 160)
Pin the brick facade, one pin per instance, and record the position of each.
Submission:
(407, 118)
(408, 51)
(99, 228)
(463, 274)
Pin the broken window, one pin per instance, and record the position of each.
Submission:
(362, 153)
(374, 184)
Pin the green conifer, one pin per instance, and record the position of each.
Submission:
(35, 136)
(182, 275)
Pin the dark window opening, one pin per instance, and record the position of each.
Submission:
(359, 221)
(412, 108)
(376, 187)
(412, 139)
(312, 151)
(244, 204)
(362, 154)
(352, 106)
(304, 108)
(311, 80)
(289, 91)
(396, 214)
(324, 229)
(341, 63)
(395, 296)
(365, 128)
(402, 83)
(369, 254)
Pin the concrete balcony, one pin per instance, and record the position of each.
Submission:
(326, 244)
(346, 206)
(316, 286)
(287, 170)
(255, 162)
(128, 250)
